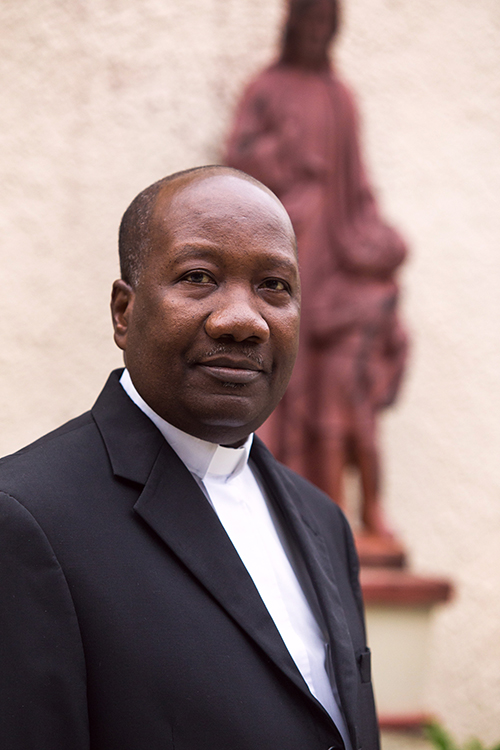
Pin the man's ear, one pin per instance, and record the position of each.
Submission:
(122, 304)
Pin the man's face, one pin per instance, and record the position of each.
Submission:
(210, 330)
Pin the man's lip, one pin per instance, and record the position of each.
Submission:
(229, 370)
(233, 363)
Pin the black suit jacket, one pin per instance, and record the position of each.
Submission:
(128, 621)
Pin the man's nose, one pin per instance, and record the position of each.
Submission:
(237, 317)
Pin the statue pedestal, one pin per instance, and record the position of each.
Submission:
(399, 606)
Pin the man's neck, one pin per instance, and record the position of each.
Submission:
(200, 456)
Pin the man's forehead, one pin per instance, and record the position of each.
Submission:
(223, 195)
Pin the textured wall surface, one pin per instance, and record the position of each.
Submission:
(99, 98)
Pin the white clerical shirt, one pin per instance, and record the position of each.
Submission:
(240, 502)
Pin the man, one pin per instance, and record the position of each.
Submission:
(297, 130)
(162, 591)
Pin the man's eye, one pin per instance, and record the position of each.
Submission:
(277, 285)
(198, 277)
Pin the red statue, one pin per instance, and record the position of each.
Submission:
(296, 130)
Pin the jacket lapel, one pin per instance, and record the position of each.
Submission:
(312, 545)
(174, 506)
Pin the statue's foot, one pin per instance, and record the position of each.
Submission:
(377, 545)
(374, 523)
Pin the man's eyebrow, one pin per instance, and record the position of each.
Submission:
(209, 250)
(287, 263)
(186, 250)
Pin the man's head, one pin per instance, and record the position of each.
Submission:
(207, 309)
(311, 25)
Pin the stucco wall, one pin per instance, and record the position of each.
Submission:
(99, 98)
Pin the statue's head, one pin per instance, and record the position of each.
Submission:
(309, 30)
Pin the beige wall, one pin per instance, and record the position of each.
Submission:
(100, 98)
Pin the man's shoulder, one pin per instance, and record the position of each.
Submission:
(326, 512)
(323, 517)
(50, 455)
(85, 455)
(50, 439)
(309, 497)
(53, 458)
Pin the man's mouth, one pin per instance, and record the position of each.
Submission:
(238, 370)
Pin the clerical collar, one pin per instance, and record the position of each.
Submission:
(201, 457)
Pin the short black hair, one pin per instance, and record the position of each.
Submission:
(135, 226)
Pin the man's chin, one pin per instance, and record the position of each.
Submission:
(229, 435)
(229, 430)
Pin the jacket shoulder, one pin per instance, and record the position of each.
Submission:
(318, 511)
(50, 459)
(49, 437)
(317, 501)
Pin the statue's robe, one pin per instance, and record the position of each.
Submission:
(297, 132)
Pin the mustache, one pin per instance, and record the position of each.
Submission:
(226, 349)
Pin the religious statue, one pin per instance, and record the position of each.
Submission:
(297, 130)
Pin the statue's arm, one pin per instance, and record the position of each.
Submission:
(257, 141)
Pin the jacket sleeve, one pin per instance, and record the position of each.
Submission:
(43, 702)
